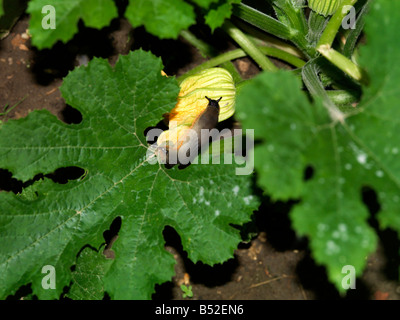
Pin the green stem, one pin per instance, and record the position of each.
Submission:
(315, 87)
(205, 49)
(332, 28)
(324, 45)
(293, 16)
(263, 39)
(248, 46)
(239, 53)
(343, 63)
(6, 109)
(208, 51)
(261, 20)
(282, 55)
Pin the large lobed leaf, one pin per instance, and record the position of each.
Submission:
(162, 18)
(166, 18)
(94, 13)
(362, 151)
(217, 14)
(49, 223)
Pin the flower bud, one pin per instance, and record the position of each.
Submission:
(324, 7)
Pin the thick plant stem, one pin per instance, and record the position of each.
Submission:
(263, 39)
(292, 14)
(324, 45)
(315, 87)
(280, 54)
(343, 63)
(248, 46)
(239, 53)
(332, 28)
(261, 20)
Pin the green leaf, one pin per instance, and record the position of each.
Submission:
(166, 18)
(204, 3)
(379, 115)
(296, 135)
(261, 21)
(162, 18)
(94, 13)
(88, 276)
(201, 202)
(1, 8)
(362, 150)
(217, 15)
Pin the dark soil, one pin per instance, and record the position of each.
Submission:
(276, 264)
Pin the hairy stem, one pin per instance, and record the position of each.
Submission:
(239, 53)
(248, 46)
(343, 63)
(263, 39)
(324, 45)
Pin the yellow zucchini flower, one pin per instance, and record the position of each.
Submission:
(213, 83)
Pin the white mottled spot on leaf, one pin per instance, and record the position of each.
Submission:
(332, 247)
(379, 173)
(247, 199)
(348, 166)
(242, 115)
(362, 158)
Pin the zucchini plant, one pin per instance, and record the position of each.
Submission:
(331, 107)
